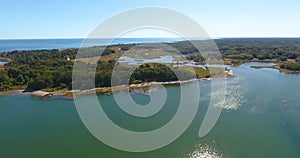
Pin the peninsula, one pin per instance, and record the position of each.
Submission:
(51, 70)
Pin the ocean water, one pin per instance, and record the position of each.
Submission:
(34, 44)
(260, 119)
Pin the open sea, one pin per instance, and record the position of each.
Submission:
(34, 44)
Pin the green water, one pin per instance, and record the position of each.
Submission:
(266, 122)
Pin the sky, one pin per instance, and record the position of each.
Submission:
(34, 19)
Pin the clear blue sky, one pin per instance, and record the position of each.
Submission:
(220, 18)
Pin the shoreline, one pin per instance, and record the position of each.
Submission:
(277, 67)
(143, 88)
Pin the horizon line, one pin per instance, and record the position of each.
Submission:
(258, 37)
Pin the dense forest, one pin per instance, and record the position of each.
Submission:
(248, 49)
(52, 69)
(285, 51)
(42, 69)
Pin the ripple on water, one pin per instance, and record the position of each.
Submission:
(234, 95)
(204, 151)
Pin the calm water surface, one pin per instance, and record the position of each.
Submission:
(265, 124)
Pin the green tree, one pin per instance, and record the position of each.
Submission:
(20, 80)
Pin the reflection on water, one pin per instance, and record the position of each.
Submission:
(204, 151)
(133, 61)
(234, 95)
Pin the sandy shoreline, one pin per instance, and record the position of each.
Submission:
(105, 90)
(142, 88)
